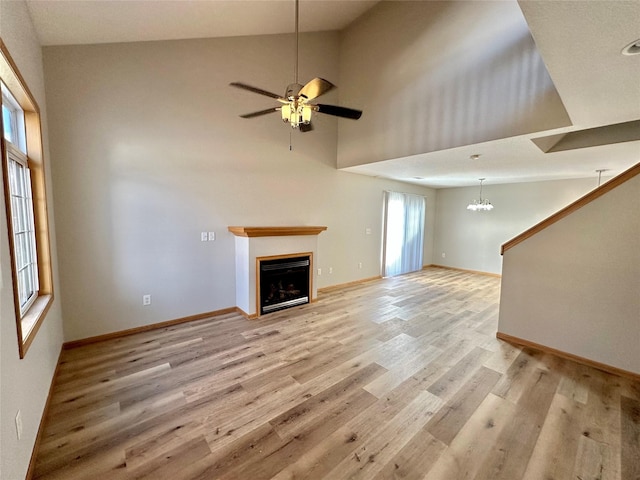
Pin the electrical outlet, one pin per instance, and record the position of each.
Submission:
(146, 300)
(367, 231)
(212, 236)
(319, 271)
(19, 424)
(444, 255)
(330, 269)
(359, 264)
(204, 236)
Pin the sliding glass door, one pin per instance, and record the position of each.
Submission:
(403, 243)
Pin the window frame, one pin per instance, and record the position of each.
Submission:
(29, 321)
(22, 218)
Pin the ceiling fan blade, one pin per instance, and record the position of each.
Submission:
(336, 111)
(259, 91)
(315, 88)
(305, 127)
(261, 112)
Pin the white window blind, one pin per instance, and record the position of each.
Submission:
(403, 233)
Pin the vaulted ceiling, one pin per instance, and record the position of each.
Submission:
(579, 41)
(69, 22)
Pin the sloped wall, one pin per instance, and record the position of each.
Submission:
(575, 286)
(436, 75)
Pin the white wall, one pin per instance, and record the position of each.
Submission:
(149, 151)
(472, 240)
(575, 286)
(24, 383)
(441, 74)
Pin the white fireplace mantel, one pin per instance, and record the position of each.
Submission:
(256, 242)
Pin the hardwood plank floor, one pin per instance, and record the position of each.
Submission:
(397, 378)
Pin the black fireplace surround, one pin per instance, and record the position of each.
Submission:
(284, 283)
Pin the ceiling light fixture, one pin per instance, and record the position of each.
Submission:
(482, 203)
(632, 49)
(295, 107)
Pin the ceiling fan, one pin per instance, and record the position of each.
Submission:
(295, 107)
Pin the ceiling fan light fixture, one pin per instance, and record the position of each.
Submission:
(306, 113)
(286, 111)
(295, 108)
(296, 113)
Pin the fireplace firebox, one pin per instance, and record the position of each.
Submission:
(284, 282)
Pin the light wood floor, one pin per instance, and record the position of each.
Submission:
(398, 378)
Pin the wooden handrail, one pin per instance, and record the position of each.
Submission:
(581, 202)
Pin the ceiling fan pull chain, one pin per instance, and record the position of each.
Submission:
(290, 146)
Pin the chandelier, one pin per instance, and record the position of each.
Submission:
(481, 203)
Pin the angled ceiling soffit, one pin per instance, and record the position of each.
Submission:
(590, 137)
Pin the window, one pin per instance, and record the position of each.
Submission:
(403, 242)
(13, 120)
(21, 205)
(24, 231)
(25, 203)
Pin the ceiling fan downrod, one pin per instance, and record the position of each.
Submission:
(295, 64)
(295, 107)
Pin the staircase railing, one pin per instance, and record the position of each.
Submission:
(581, 202)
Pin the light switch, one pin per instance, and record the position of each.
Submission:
(212, 236)
(203, 236)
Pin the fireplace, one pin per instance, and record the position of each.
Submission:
(263, 244)
(283, 281)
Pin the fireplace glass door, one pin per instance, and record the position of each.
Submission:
(284, 283)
